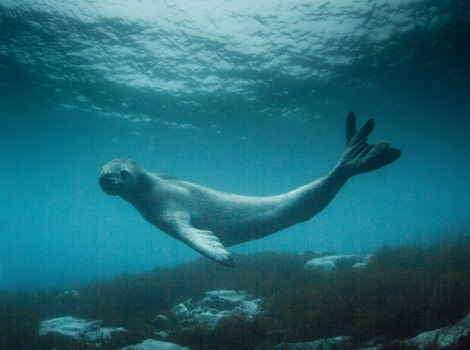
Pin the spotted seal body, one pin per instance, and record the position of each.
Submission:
(208, 220)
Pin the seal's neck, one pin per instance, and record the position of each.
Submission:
(141, 187)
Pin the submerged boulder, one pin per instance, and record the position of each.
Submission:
(222, 299)
(161, 321)
(71, 331)
(215, 306)
(151, 344)
(332, 263)
(456, 336)
(337, 343)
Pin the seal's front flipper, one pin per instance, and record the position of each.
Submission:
(206, 243)
(203, 241)
(361, 157)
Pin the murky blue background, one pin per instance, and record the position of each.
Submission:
(242, 96)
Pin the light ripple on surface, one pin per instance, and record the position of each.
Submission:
(199, 48)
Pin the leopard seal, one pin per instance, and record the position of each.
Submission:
(209, 220)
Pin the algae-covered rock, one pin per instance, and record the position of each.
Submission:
(71, 331)
(151, 344)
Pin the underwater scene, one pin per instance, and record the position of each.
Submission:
(232, 174)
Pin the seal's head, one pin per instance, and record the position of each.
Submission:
(118, 176)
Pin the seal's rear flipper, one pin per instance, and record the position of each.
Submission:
(359, 156)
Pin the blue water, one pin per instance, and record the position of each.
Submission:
(242, 96)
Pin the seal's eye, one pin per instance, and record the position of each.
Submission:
(124, 174)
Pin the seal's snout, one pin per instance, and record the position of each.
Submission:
(109, 183)
(107, 179)
(117, 176)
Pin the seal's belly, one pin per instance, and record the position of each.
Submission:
(239, 220)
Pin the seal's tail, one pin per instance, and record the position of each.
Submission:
(359, 156)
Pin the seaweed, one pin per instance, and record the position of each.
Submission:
(402, 292)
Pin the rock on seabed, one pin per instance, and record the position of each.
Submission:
(71, 331)
(455, 337)
(450, 337)
(217, 305)
(332, 263)
(151, 344)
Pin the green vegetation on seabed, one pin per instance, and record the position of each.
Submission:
(403, 291)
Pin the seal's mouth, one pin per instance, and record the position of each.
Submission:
(109, 184)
